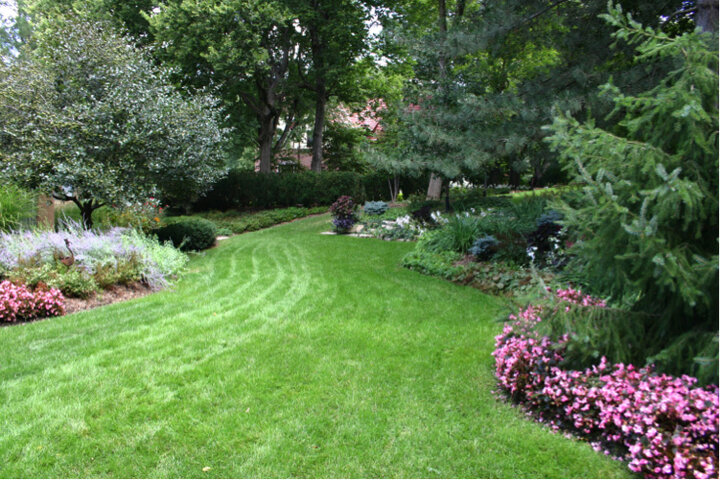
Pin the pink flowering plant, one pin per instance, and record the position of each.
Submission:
(663, 426)
(18, 302)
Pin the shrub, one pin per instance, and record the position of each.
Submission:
(343, 213)
(18, 302)
(188, 233)
(662, 425)
(238, 222)
(439, 264)
(484, 247)
(243, 189)
(375, 208)
(143, 216)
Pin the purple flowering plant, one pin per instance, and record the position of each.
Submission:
(91, 250)
(343, 213)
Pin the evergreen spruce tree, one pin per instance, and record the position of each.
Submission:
(646, 222)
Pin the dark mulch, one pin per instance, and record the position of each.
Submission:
(116, 293)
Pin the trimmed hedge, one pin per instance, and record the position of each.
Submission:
(189, 233)
(247, 189)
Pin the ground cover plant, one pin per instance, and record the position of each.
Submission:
(234, 221)
(394, 223)
(664, 426)
(278, 354)
(79, 262)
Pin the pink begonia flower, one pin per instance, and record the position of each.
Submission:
(661, 425)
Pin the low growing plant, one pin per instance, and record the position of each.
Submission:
(18, 302)
(663, 426)
(375, 208)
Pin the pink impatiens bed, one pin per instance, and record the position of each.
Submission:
(663, 426)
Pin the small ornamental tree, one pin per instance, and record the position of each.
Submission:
(646, 220)
(88, 117)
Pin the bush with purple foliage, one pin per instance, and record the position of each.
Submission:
(663, 426)
(343, 213)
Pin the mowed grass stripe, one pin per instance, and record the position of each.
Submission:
(281, 353)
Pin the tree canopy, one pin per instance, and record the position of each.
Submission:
(90, 118)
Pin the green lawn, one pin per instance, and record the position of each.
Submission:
(283, 353)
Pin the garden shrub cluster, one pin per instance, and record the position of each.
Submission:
(97, 259)
(516, 232)
(241, 189)
(240, 222)
(664, 426)
(18, 302)
(188, 233)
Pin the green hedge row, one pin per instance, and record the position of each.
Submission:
(247, 189)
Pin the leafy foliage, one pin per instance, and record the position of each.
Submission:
(238, 222)
(244, 189)
(343, 213)
(188, 233)
(91, 119)
(484, 247)
(439, 264)
(17, 207)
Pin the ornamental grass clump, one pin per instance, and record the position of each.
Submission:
(663, 426)
(18, 302)
(343, 213)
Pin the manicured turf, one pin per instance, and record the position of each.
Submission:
(283, 353)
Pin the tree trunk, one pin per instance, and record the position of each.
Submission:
(317, 146)
(46, 211)
(265, 138)
(394, 184)
(86, 210)
(707, 15)
(434, 188)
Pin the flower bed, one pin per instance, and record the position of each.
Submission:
(663, 426)
(93, 260)
(18, 302)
